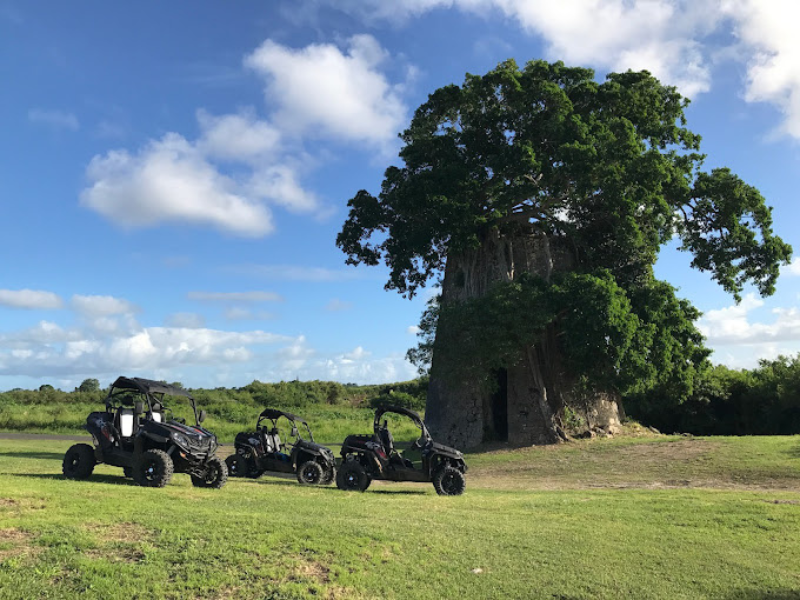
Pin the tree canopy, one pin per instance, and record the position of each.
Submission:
(608, 166)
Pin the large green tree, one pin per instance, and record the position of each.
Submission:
(541, 197)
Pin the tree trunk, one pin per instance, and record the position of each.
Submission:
(528, 406)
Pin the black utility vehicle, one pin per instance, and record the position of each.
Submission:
(263, 451)
(368, 457)
(138, 433)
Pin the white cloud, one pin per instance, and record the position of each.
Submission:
(674, 39)
(237, 137)
(358, 366)
(792, 269)
(56, 119)
(321, 89)
(734, 325)
(102, 306)
(294, 357)
(658, 35)
(235, 296)
(170, 181)
(30, 299)
(241, 164)
(47, 349)
(662, 36)
(42, 334)
(413, 330)
(767, 31)
(280, 185)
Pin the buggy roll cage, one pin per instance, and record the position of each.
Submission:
(273, 414)
(151, 390)
(406, 412)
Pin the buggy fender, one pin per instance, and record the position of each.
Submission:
(368, 457)
(301, 455)
(249, 447)
(158, 439)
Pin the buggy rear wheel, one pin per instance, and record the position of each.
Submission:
(310, 473)
(352, 477)
(215, 476)
(237, 465)
(153, 469)
(79, 462)
(449, 481)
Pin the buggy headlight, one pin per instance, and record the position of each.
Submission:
(180, 439)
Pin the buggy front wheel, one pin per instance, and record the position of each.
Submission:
(153, 469)
(449, 481)
(215, 476)
(310, 473)
(352, 477)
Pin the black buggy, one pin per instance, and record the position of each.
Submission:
(263, 451)
(141, 435)
(368, 457)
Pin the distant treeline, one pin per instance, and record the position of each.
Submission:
(236, 404)
(761, 401)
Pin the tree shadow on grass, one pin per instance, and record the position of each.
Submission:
(118, 480)
(38, 455)
(795, 452)
(288, 483)
(400, 492)
(764, 595)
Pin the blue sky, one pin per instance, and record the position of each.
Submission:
(173, 175)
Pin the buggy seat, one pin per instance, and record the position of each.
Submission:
(272, 440)
(125, 422)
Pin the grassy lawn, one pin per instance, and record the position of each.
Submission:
(659, 517)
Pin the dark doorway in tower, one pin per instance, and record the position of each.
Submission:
(499, 405)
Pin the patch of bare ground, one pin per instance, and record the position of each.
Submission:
(305, 570)
(679, 450)
(15, 542)
(317, 576)
(18, 505)
(119, 532)
(119, 542)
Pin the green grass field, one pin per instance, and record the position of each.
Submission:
(329, 424)
(658, 517)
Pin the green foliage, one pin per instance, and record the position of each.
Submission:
(401, 399)
(89, 385)
(761, 401)
(609, 164)
(614, 338)
(609, 169)
(332, 409)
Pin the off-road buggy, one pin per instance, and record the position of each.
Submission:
(141, 435)
(263, 451)
(368, 457)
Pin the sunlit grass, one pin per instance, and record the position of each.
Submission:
(582, 535)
